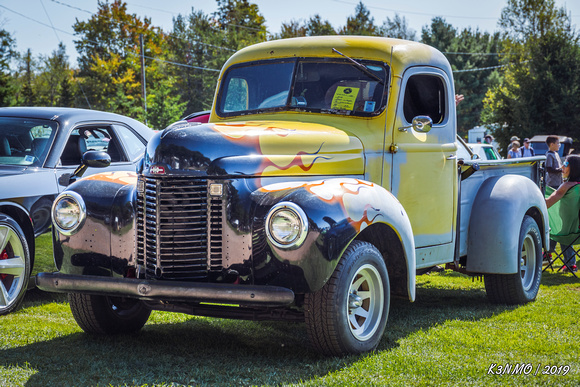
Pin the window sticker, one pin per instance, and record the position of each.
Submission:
(370, 106)
(344, 98)
(29, 159)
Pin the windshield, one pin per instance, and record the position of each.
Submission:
(314, 85)
(25, 141)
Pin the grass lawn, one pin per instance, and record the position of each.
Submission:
(450, 336)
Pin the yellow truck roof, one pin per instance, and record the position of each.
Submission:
(401, 54)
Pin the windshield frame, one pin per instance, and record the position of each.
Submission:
(288, 106)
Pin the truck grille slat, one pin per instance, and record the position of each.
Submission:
(179, 229)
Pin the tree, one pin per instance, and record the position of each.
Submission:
(397, 28)
(109, 66)
(165, 106)
(292, 29)
(6, 54)
(242, 23)
(361, 23)
(539, 92)
(314, 26)
(203, 43)
(473, 56)
(25, 78)
(53, 73)
(200, 46)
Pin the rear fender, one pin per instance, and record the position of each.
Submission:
(496, 218)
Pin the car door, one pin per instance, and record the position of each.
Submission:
(424, 169)
(124, 146)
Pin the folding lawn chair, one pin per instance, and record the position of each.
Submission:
(564, 218)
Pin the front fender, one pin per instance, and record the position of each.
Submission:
(338, 210)
(100, 246)
(496, 218)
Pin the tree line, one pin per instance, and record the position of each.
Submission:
(522, 79)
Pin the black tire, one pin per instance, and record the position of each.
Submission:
(523, 286)
(108, 315)
(334, 314)
(15, 264)
(40, 214)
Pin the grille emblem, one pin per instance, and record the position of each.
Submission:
(157, 170)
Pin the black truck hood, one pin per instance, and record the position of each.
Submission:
(254, 148)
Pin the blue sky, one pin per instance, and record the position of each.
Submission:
(31, 22)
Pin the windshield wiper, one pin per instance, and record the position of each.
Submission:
(362, 67)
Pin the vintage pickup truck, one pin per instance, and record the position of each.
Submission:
(326, 179)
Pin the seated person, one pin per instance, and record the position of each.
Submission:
(571, 176)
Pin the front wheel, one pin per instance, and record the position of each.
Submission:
(349, 314)
(108, 315)
(15, 264)
(523, 286)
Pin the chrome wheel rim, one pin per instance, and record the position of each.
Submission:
(12, 266)
(528, 262)
(365, 302)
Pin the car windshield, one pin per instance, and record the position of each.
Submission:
(25, 141)
(329, 86)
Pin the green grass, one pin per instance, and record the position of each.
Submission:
(450, 336)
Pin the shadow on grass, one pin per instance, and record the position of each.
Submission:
(207, 351)
(556, 278)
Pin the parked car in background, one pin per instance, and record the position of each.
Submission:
(485, 151)
(540, 147)
(40, 148)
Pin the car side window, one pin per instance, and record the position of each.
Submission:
(134, 144)
(97, 138)
(425, 96)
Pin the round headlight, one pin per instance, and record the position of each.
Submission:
(286, 225)
(68, 213)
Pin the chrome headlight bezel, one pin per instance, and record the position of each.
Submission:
(293, 212)
(76, 200)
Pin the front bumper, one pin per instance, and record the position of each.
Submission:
(246, 295)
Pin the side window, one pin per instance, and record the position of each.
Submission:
(425, 96)
(133, 143)
(98, 138)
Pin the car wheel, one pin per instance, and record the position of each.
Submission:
(40, 213)
(523, 286)
(349, 314)
(14, 264)
(108, 315)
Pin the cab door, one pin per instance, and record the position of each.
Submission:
(424, 166)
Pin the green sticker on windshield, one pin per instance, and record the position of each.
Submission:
(344, 98)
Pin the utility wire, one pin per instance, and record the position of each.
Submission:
(418, 13)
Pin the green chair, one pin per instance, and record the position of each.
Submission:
(564, 218)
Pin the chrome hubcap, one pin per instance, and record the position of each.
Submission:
(12, 266)
(365, 302)
(527, 262)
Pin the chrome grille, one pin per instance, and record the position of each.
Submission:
(179, 229)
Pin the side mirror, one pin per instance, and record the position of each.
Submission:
(94, 159)
(422, 124)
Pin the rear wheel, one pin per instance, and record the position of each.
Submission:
(349, 314)
(14, 264)
(522, 286)
(108, 315)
